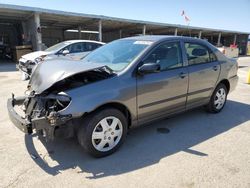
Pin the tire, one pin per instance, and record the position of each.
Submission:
(218, 99)
(103, 132)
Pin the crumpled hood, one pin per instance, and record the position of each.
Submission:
(52, 71)
(33, 55)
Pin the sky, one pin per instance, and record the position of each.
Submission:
(217, 14)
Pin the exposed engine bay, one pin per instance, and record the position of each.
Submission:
(42, 110)
(54, 99)
(81, 79)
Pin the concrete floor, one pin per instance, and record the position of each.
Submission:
(201, 149)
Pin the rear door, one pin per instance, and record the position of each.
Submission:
(163, 92)
(204, 70)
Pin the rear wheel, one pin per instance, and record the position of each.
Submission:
(218, 99)
(103, 132)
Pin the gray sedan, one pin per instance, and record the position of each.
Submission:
(123, 84)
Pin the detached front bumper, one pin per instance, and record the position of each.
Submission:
(46, 124)
(20, 122)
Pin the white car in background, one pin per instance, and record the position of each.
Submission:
(71, 49)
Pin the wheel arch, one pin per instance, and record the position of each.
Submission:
(119, 106)
(226, 83)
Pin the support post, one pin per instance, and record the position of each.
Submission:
(120, 33)
(63, 35)
(235, 39)
(37, 31)
(176, 32)
(144, 30)
(219, 38)
(79, 32)
(25, 33)
(100, 30)
(200, 32)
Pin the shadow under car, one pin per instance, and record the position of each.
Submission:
(144, 146)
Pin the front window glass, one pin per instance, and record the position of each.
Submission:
(118, 54)
(168, 55)
(57, 47)
(76, 48)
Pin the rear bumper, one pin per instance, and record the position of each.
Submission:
(233, 82)
(46, 124)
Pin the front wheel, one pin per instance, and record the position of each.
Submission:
(103, 132)
(218, 99)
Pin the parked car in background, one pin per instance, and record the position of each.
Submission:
(125, 83)
(72, 49)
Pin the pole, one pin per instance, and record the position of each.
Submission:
(176, 32)
(235, 39)
(100, 30)
(219, 38)
(120, 33)
(79, 32)
(144, 30)
(200, 32)
(38, 35)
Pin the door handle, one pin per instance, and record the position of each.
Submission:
(183, 75)
(215, 67)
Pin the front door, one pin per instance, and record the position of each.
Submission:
(76, 51)
(163, 92)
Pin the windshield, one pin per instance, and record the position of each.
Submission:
(57, 47)
(118, 54)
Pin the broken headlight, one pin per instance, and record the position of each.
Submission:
(57, 102)
(40, 59)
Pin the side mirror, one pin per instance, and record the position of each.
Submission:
(65, 52)
(149, 68)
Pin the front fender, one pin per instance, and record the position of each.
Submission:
(87, 98)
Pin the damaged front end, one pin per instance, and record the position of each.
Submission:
(46, 100)
(26, 66)
(41, 113)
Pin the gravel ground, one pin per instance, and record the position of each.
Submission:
(200, 149)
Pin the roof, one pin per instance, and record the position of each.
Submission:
(156, 38)
(52, 16)
(75, 41)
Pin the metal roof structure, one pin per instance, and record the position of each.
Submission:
(54, 18)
